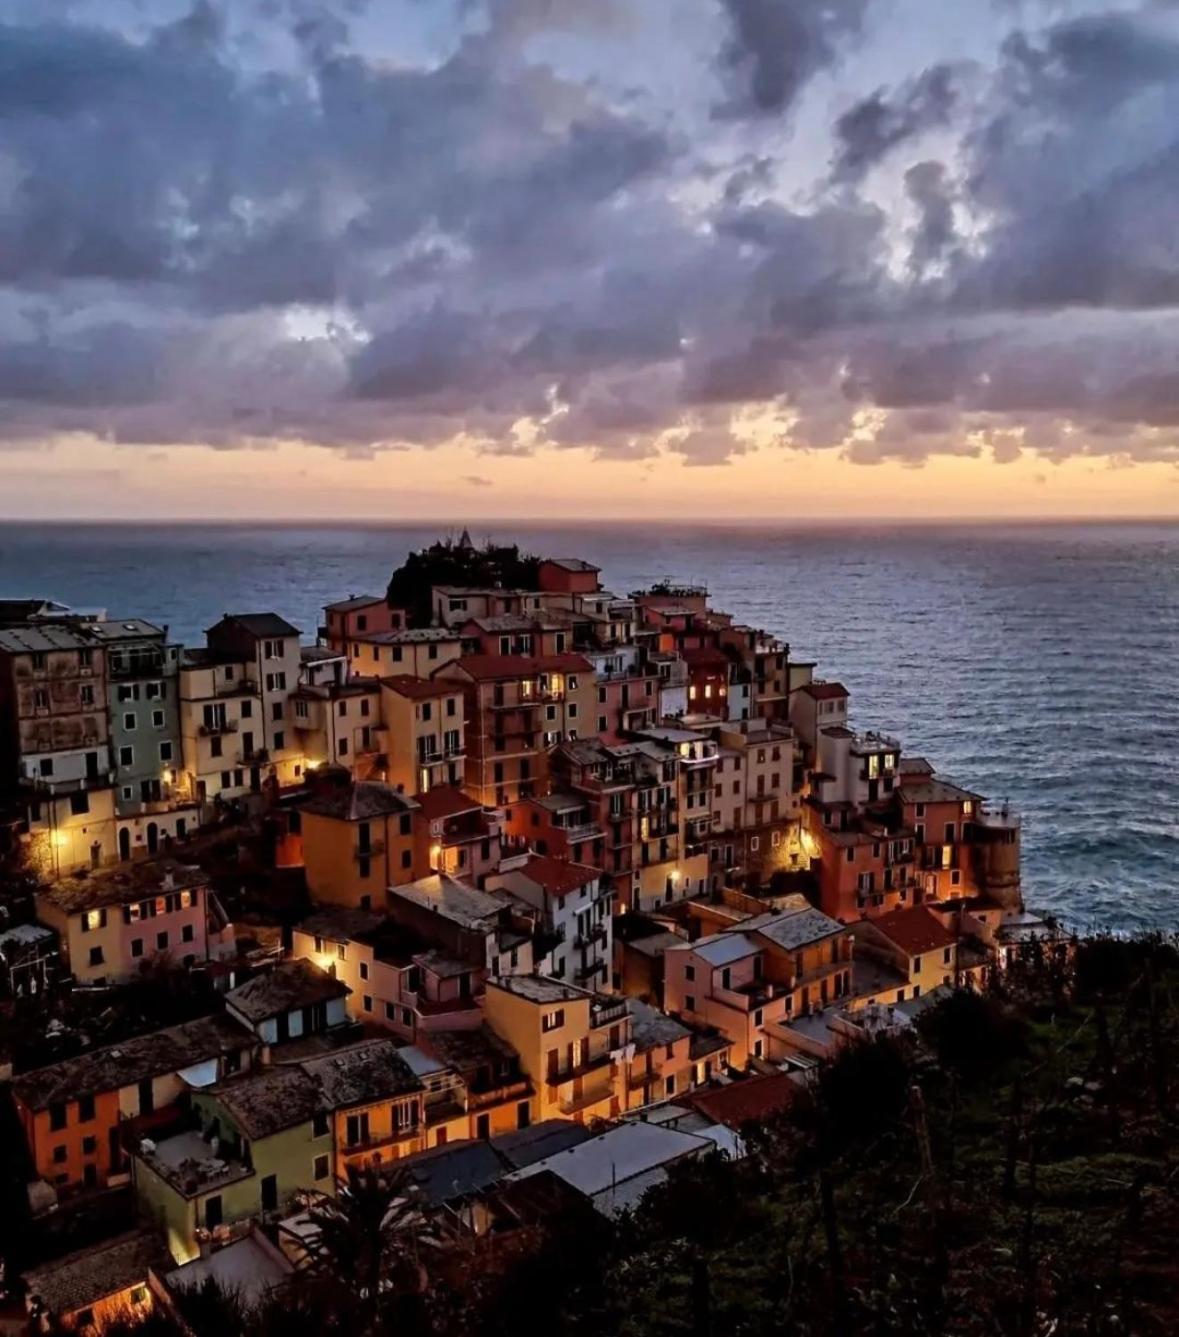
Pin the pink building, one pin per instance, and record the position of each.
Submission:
(361, 616)
(113, 924)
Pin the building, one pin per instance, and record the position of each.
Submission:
(251, 1143)
(756, 806)
(55, 747)
(104, 1284)
(336, 718)
(517, 709)
(376, 1102)
(568, 575)
(80, 1114)
(457, 835)
(574, 1045)
(758, 974)
(573, 907)
(360, 615)
(358, 839)
(114, 923)
(144, 706)
(915, 943)
(290, 1001)
(422, 724)
(669, 1059)
(417, 651)
(495, 1093)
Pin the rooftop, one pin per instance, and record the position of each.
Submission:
(444, 801)
(122, 885)
(488, 667)
(357, 801)
(187, 1162)
(915, 929)
(421, 689)
(556, 876)
(353, 603)
(267, 1102)
(131, 1061)
(792, 929)
(571, 564)
(652, 1029)
(43, 638)
(928, 789)
(526, 1146)
(249, 1267)
(80, 1279)
(824, 691)
(454, 900)
(540, 988)
(290, 984)
(745, 1101)
(721, 949)
(455, 1170)
(362, 1074)
(258, 624)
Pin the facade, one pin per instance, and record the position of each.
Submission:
(574, 1045)
(358, 839)
(80, 1115)
(113, 924)
(422, 729)
(290, 1001)
(361, 615)
(517, 709)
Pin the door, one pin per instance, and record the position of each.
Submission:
(270, 1193)
(153, 837)
(91, 765)
(147, 1099)
(125, 842)
(255, 779)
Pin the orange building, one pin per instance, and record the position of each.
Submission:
(75, 1113)
(104, 1284)
(361, 615)
(456, 834)
(358, 839)
(422, 727)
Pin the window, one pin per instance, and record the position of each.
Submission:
(57, 1116)
(89, 1146)
(364, 866)
(129, 722)
(356, 1129)
(368, 1002)
(136, 947)
(279, 740)
(162, 941)
(247, 710)
(96, 956)
(79, 803)
(552, 1021)
(689, 1003)
(321, 1165)
(320, 1126)
(186, 933)
(215, 747)
(86, 1103)
(269, 1193)
(390, 1012)
(946, 956)
(85, 695)
(689, 973)
(127, 755)
(669, 1086)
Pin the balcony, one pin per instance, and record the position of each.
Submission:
(746, 997)
(149, 665)
(481, 1097)
(602, 1063)
(606, 1013)
(574, 1104)
(369, 851)
(217, 728)
(254, 756)
(236, 687)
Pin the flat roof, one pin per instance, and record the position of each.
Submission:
(454, 900)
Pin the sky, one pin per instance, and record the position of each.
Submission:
(487, 259)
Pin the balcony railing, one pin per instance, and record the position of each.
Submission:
(254, 756)
(217, 728)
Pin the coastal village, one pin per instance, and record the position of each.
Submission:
(526, 891)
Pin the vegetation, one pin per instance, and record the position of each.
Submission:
(458, 562)
(1009, 1169)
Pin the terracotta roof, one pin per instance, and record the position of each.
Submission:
(557, 876)
(747, 1101)
(444, 801)
(522, 666)
(421, 689)
(914, 930)
(824, 691)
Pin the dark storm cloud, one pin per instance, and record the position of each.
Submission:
(777, 46)
(235, 232)
(869, 130)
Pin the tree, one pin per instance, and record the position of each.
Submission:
(460, 563)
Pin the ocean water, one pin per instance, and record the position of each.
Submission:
(1035, 663)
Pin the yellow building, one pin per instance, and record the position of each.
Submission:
(340, 723)
(422, 720)
(358, 839)
(377, 1104)
(573, 1044)
(417, 651)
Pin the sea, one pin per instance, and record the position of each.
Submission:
(1034, 663)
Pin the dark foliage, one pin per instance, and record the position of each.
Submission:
(452, 562)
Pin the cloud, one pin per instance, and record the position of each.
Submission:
(777, 46)
(506, 223)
